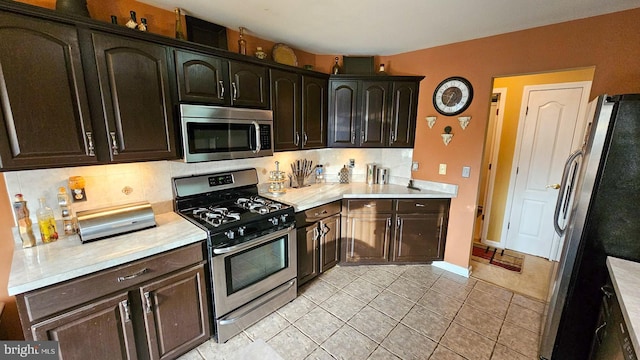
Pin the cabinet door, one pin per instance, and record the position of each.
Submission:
(249, 85)
(100, 330)
(314, 112)
(307, 241)
(366, 238)
(176, 313)
(202, 78)
(418, 238)
(286, 106)
(402, 122)
(373, 113)
(343, 113)
(44, 111)
(134, 87)
(329, 243)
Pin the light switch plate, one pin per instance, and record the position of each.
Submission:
(352, 163)
(442, 170)
(466, 171)
(414, 166)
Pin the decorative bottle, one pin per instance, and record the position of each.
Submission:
(65, 211)
(242, 43)
(336, 68)
(179, 33)
(46, 222)
(343, 175)
(143, 24)
(24, 222)
(132, 23)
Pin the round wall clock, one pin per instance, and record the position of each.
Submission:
(453, 96)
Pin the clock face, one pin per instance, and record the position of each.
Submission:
(453, 96)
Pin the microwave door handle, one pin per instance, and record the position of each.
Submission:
(258, 144)
(561, 194)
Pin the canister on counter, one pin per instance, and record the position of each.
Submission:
(371, 174)
(382, 175)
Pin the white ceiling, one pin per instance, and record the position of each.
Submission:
(386, 27)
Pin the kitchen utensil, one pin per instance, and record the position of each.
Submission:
(301, 169)
(382, 175)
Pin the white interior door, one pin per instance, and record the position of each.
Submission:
(552, 127)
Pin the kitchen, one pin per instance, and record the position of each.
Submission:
(615, 73)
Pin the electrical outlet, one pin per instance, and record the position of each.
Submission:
(466, 171)
(442, 170)
(414, 166)
(352, 163)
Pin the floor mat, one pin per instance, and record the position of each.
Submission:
(499, 257)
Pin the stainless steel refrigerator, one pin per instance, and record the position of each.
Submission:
(598, 214)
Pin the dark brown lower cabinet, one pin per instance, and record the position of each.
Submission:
(403, 230)
(102, 331)
(318, 240)
(159, 316)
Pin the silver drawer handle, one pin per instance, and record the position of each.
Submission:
(369, 205)
(133, 276)
(90, 145)
(114, 143)
(419, 205)
(221, 90)
(320, 213)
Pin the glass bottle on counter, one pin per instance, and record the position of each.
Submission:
(24, 222)
(65, 211)
(46, 222)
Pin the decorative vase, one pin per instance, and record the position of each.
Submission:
(73, 7)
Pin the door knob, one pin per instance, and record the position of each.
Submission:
(553, 186)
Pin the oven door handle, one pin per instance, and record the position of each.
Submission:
(233, 320)
(258, 144)
(251, 244)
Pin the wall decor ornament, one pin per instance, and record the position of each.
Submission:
(464, 121)
(447, 136)
(431, 120)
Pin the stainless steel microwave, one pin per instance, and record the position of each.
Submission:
(222, 133)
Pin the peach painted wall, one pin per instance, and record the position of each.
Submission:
(515, 86)
(603, 41)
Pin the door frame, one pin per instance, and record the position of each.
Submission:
(493, 160)
(578, 135)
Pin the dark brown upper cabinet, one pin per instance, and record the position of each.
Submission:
(133, 81)
(299, 110)
(214, 80)
(202, 78)
(249, 85)
(372, 111)
(44, 111)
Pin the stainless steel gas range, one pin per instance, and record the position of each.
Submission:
(251, 246)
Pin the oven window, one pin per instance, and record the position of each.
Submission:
(220, 137)
(256, 264)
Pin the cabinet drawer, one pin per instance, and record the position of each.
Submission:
(318, 213)
(422, 205)
(369, 206)
(50, 300)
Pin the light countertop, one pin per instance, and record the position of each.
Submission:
(319, 194)
(68, 258)
(626, 281)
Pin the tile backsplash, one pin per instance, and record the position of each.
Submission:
(151, 181)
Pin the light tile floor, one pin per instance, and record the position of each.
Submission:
(395, 312)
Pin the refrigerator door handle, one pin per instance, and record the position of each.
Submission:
(561, 195)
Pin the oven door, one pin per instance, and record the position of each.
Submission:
(207, 139)
(244, 272)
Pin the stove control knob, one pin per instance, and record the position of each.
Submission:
(241, 230)
(230, 234)
(284, 217)
(274, 221)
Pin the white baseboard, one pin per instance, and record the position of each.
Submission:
(456, 269)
